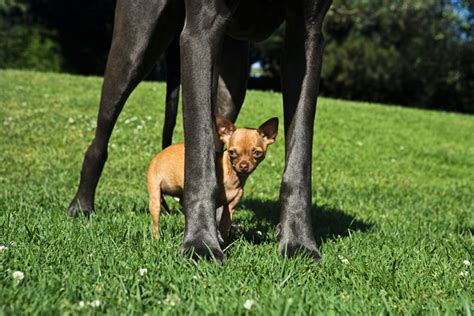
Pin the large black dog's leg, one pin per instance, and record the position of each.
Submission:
(233, 77)
(173, 81)
(301, 70)
(232, 82)
(135, 48)
(201, 43)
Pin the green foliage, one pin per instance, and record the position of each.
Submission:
(418, 43)
(410, 52)
(393, 212)
(25, 45)
(346, 72)
(416, 53)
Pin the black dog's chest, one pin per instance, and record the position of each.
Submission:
(256, 20)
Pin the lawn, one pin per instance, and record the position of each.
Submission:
(393, 212)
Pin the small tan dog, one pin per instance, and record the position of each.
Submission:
(246, 148)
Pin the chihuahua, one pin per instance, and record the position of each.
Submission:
(246, 148)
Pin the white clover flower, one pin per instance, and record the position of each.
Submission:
(3, 248)
(249, 304)
(463, 274)
(143, 271)
(172, 300)
(95, 303)
(18, 275)
(343, 259)
(70, 120)
(467, 263)
(81, 304)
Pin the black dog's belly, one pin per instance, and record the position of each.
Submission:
(256, 20)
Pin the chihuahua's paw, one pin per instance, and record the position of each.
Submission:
(199, 249)
(78, 207)
(291, 248)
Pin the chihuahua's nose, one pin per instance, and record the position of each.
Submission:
(244, 166)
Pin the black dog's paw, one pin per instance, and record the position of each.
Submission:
(77, 208)
(292, 248)
(198, 249)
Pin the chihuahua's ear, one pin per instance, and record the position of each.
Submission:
(269, 130)
(224, 128)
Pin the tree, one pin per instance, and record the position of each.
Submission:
(412, 52)
(23, 43)
(409, 52)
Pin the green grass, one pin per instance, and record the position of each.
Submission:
(393, 193)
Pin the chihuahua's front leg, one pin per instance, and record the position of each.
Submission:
(201, 42)
(232, 229)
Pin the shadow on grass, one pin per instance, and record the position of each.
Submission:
(328, 223)
(468, 231)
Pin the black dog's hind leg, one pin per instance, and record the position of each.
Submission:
(135, 48)
(201, 43)
(173, 81)
(301, 70)
(233, 77)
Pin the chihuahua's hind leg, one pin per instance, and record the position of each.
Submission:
(154, 191)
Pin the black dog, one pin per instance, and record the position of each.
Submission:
(213, 43)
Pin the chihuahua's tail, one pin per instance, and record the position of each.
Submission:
(164, 204)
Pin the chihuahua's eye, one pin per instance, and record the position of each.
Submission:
(232, 153)
(257, 154)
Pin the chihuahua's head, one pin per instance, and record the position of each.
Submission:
(246, 147)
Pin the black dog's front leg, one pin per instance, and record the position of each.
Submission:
(301, 69)
(201, 42)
